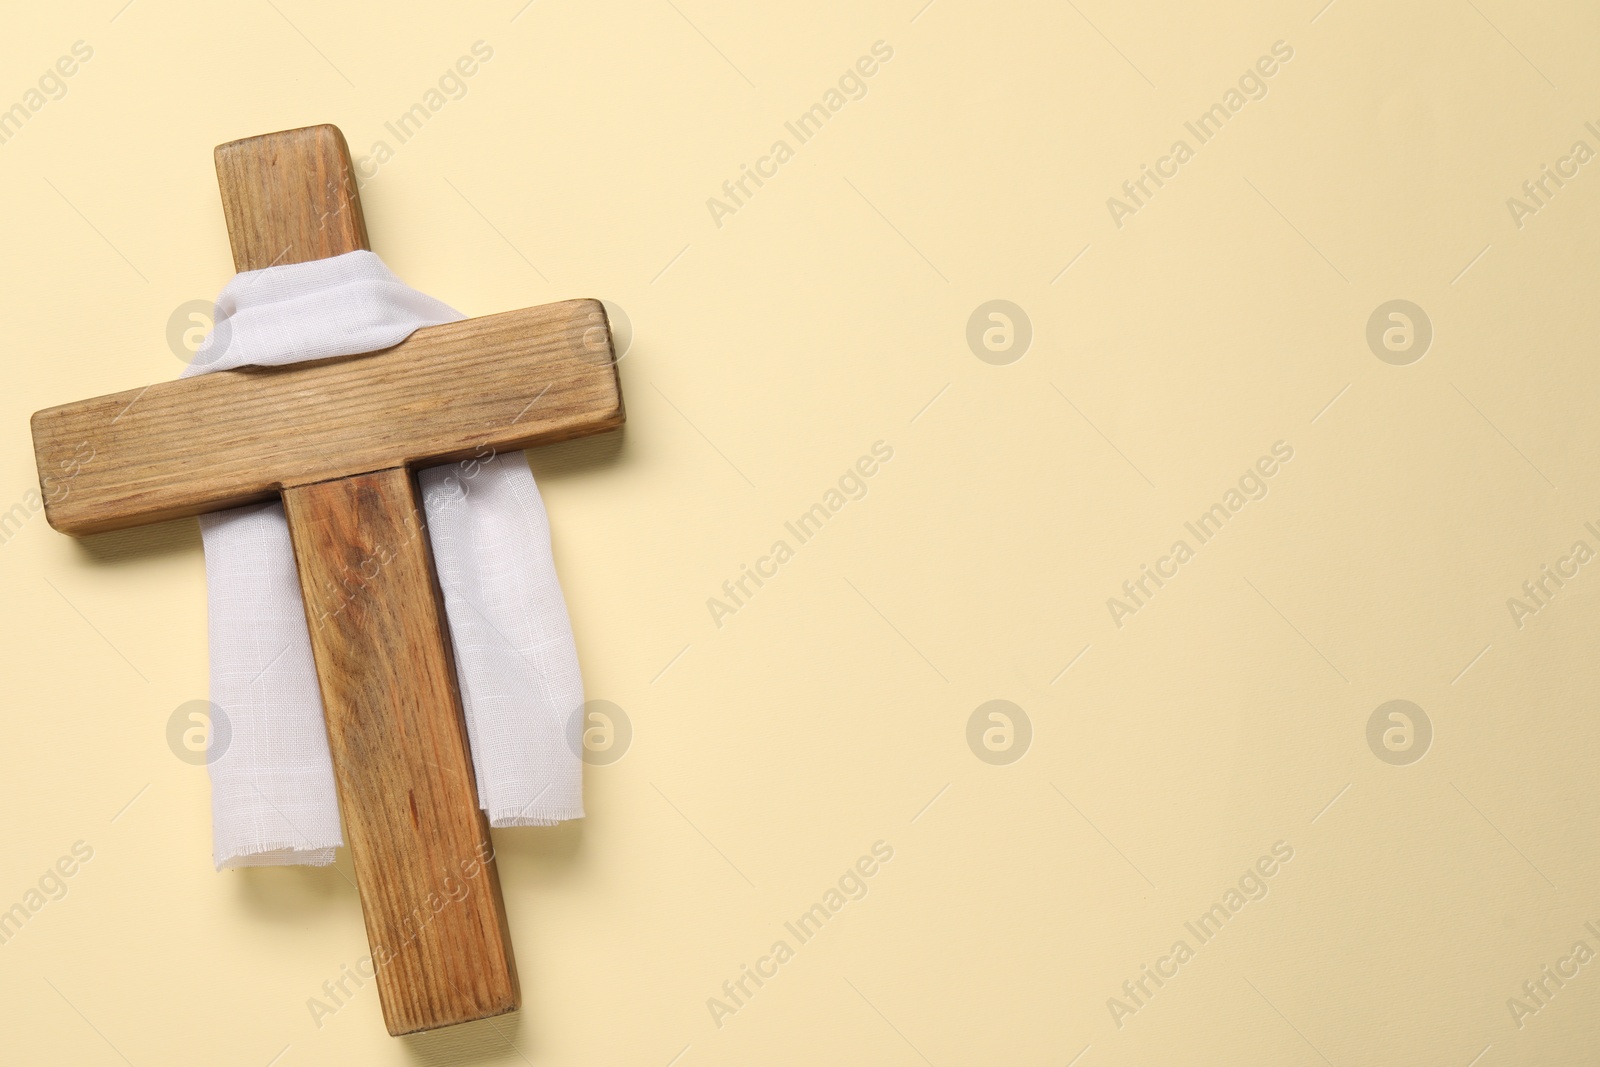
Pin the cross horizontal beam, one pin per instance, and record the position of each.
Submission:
(181, 448)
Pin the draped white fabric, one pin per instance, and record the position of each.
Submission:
(273, 799)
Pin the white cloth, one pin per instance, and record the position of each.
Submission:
(272, 793)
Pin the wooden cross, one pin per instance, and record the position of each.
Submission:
(339, 440)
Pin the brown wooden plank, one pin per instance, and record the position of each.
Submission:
(290, 197)
(424, 865)
(177, 448)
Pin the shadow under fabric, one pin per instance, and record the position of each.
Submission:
(273, 799)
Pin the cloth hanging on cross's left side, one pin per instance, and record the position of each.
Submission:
(272, 792)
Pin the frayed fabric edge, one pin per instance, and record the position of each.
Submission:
(287, 856)
(278, 856)
(507, 819)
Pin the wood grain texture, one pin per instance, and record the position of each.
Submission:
(424, 866)
(178, 448)
(290, 197)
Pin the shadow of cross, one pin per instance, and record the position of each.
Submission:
(339, 440)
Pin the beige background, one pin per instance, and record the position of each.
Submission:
(831, 711)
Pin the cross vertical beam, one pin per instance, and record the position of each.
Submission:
(430, 892)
